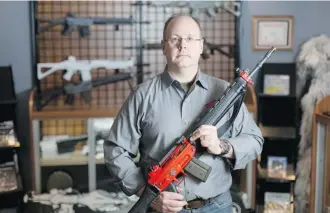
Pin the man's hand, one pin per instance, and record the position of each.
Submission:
(208, 136)
(168, 202)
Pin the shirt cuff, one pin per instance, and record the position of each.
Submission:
(235, 163)
(132, 182)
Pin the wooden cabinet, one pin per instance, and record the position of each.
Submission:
(320, 172)
(278, 120)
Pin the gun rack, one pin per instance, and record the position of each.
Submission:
(120, 31)
(120, 42)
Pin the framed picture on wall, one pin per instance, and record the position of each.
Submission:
(272, 31)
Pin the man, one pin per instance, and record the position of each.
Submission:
(160, 110)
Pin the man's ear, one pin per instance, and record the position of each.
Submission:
(162, 45)
(202, 45)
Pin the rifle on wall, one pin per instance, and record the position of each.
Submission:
(208, 49)
(180, 159)
(210, 8)
(82, 67)
(71, 23)
(84, 88)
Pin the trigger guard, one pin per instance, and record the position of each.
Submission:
(171, 188)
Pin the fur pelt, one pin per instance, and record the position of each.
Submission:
(313, 62)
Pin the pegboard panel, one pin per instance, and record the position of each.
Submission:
(71, 127)
(104, 42)
(121, 42)
(218, 30)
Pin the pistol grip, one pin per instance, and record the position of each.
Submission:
(171, 188)
(68, 75)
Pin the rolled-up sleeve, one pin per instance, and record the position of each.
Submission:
(246, 139)
(122, 145)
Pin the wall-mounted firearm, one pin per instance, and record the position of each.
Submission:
(83, 88)
(198, 7)
(70, 23)
(82, 67)
(225, 49)
(208, 49)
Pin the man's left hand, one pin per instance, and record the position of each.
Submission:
(208, 136)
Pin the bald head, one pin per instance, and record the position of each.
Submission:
(181, 20)
(182, 43)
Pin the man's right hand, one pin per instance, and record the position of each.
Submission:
(168, 202)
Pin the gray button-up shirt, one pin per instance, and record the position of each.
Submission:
(157, 113)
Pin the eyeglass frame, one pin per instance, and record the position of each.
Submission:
(181, 38)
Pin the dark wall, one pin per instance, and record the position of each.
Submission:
(15, 50)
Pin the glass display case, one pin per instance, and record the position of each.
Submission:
(65, 138)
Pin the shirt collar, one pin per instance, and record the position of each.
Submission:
(167, 79)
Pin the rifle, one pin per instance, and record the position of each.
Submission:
(84, 67)
(147, 46)
(208, 48)
(178, 159)
(70, 23)
(198, 7)
(69, 144)
(84, 88)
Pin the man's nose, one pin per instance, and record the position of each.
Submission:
(183, 43)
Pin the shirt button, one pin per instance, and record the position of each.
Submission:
(185, 122)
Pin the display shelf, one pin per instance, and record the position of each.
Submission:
(16, 145)
(260, 208)
(264, 95)
(82, 111)
(68, 160)
(8, 102)
(278, 122)
(9, 148)
(19, 188)
(81, 120)
(278, 131)
(262, 173)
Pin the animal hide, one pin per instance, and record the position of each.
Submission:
(313, 63)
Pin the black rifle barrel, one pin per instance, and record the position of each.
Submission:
(99, 20)
(221, 106)
(111, 79)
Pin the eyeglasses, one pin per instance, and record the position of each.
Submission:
(176, 39)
